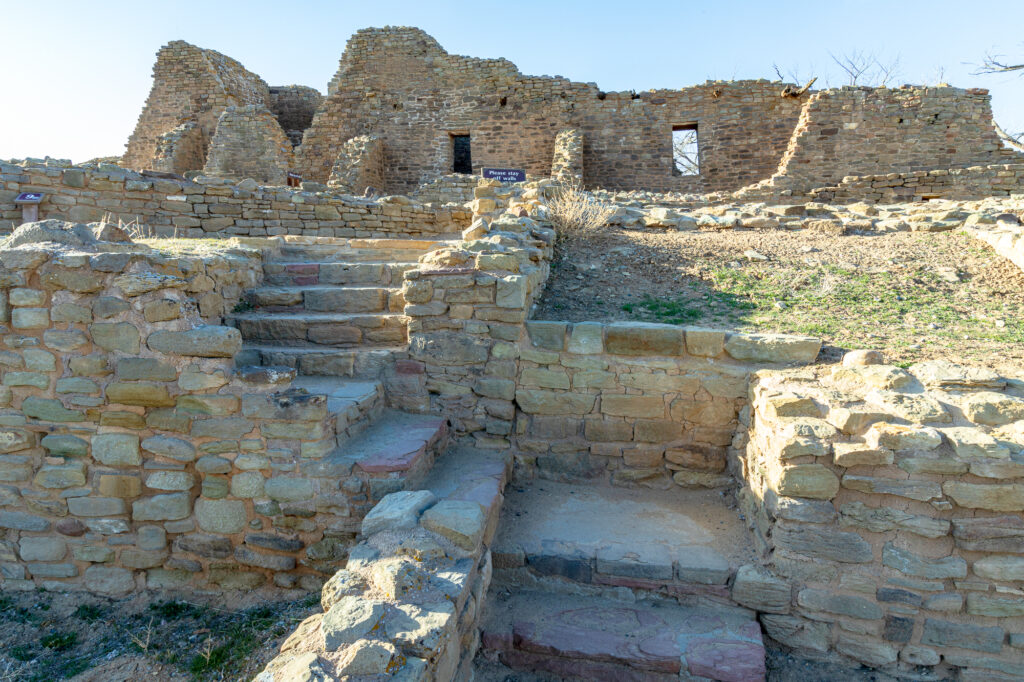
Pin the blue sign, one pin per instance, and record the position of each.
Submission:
(504, 174)
(29, 198)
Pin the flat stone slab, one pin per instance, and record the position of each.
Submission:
(635, 536)
(656, 639)
(395, 442)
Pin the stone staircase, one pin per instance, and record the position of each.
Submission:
(328, 315)
(619, 584)
(330, 307)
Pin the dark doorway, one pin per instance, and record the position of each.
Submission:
(461, 157)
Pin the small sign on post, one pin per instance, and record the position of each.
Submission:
(294, 179)
(504, 174)
(29, 202)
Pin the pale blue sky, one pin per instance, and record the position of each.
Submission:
(75, 74)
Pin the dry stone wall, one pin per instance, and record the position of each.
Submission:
(639, 404)
(213, 207)
(567, 164)
(956, 184)
(294, 107)
(888, 503)
(249, 143)
(398, 83)
(134, 453)
(873, 131)
(359, 167)
(189, 83)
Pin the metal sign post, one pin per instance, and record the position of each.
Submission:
(29, 202)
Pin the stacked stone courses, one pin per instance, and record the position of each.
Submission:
(212, 207)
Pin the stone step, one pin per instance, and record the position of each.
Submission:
(595, 638)
(354, 404)
(684, 544)
(372, 250)
(395, 452)
(322, 329)
(326, 299)
(312, 360)
(307, 273)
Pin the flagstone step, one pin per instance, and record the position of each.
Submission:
(395, 452)
(326, 299)
(323, 329)
(685, 544)
(314, 360)
(306, 273)
(594, 638)
(354, 404)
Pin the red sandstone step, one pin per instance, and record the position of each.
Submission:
(601, 639)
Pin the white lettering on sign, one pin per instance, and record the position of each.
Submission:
(504, 174)
(29, 198)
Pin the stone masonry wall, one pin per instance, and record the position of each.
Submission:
(249, 143)
(189, 83)
(958, 184)
(135, 455)
(213, 207)
(181, 149)
(567, 162)
(399, 84)
(871, 131)
(889, 505)
(646, 404)
(359, 166)
(294, 107)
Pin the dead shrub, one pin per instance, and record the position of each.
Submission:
(576, 214)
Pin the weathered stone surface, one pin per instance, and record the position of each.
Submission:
(116, 449)
(349, 619)
(17, 520)
(993, 409)
(283, 489)
(639, 338)
(962, 635)
(61, 475)
(824, 542)
(170, 480)
(774, 348)
(144, 394)
(903, 437)
(203, 342)
(117, 336)
(367, 658)
(882, 519)
(915, 490)
(799, 633)
(274, 562)
(971, 444)
(1006, 497)
(343, 583)
(758, 589)
(449, 348)
(804, 480)
(111, 580)
(221, 516)
(905, 561)
(169, 507)
(860, 454)
(397, 511)
(49, 410)
(135, 369)
(551, 402)
(172, 448)
(423, 628)
(843, 604)
(915, 408)
(41, 549)
(461, 521)
(1008, 568)
(97, 506)
(209, 546)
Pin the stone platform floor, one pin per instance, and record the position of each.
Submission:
(587, 532)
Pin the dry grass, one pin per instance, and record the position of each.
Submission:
(576, 214)
(135, 228)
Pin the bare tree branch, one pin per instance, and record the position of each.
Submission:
(993, 65)
(685, 153)
(788, 91)
(1012, 141)
(866, 69)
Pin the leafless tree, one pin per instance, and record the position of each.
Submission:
(866, 68)
(992, 64)
(684, 152)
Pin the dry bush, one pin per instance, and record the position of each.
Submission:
(135, 228)
(576, 214)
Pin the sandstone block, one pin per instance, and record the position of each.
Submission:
(461, 521)
(397, 511)
(204, 342)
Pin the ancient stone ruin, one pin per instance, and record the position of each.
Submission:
(347, 393)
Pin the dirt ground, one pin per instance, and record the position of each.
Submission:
(48, 636)
(913, 295)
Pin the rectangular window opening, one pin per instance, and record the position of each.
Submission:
(685, 153)
(462, 159)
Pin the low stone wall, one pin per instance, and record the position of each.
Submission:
(646, 404)
(888, 505)
(408, 603)
(957, 184)
(1006, 238)
(212, 207)
(133, 453)
(454, 188)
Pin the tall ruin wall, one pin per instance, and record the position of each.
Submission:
(401, 85)
(877, 131)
